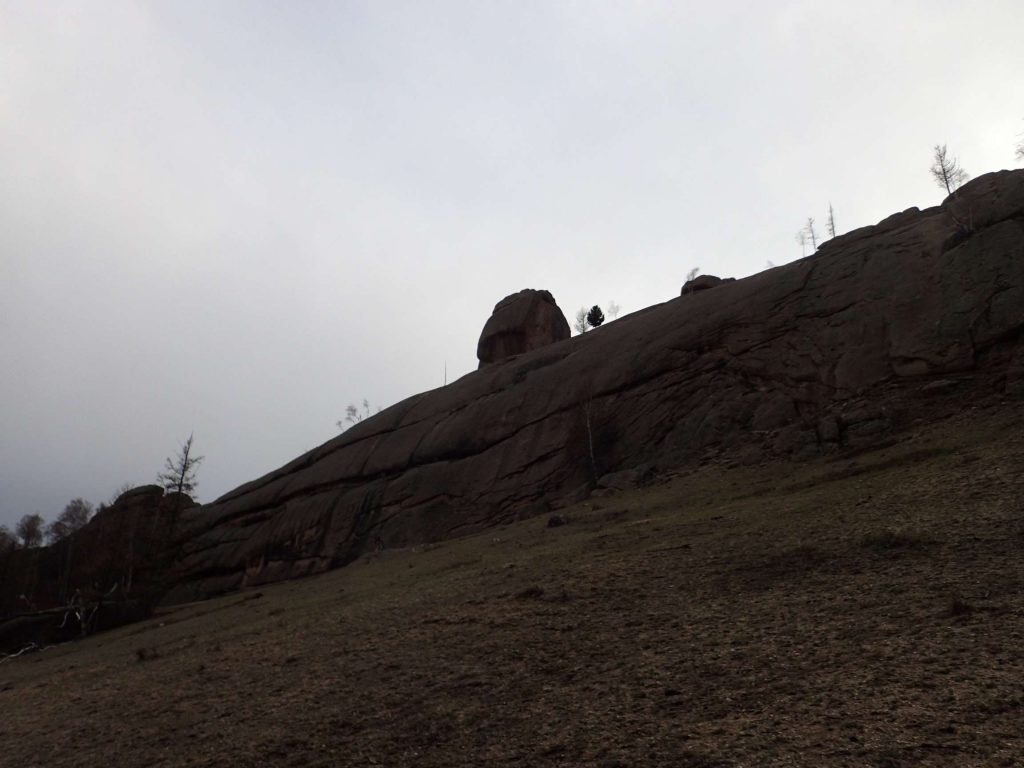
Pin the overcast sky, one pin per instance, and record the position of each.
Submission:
(235, 218)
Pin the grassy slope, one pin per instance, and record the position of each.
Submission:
(864, 610)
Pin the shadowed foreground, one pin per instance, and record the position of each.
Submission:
(866, 610)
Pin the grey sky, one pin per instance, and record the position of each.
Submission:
(235, 218)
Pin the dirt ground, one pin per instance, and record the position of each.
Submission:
(859, 610)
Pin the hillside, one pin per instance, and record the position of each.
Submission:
(834, 351)
(863, 609)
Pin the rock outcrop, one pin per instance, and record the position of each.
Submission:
(828, 351)
(521, 323)
(125, 549)
(703, 283)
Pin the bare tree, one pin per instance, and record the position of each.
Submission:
(1020, 151)
(801, 238)
(947, 171)
(812, 233)
(179, 473)
(353, 415)
(75, 515)
(580, 323)
(831, 220)
(613, 309)
(30, 530)
(8, 540)
(692, 274)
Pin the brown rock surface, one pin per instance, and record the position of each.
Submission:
(703, 283)
(520, 323)
(124, 550)
(827, 351)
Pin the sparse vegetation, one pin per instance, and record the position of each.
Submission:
(179, 473)
(75, 515)
(179, 477)
(354, 414)
(30, 530)
(946, 170)
(580, 323)
(812, 233)
(735, 615)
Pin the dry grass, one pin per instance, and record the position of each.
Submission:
(866, 611)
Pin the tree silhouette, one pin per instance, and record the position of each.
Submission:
(353, 415)
(947, 171)
(179, 473)
(30, 530)
(75, 515)
(812, 233)
(595, 316)
(580, 323)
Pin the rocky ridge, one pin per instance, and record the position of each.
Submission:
(826, 352)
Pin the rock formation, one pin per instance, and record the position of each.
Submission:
(520, 323)
(125, 546)
(831, 350)
(703, 283)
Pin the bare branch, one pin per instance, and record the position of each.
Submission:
(811, 233)
(946, 170)
(179, 473)
(580, 323)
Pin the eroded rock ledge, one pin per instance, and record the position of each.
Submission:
(795, 360)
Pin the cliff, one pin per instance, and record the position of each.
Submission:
(834, 350)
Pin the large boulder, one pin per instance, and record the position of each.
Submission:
(703, 283)
(520, 323)
(836, 349)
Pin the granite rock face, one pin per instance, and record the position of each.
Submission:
(704, 283)
(520, 323)
(804, 358)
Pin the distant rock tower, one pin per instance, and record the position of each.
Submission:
(520, 323)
